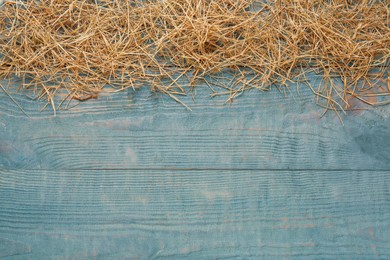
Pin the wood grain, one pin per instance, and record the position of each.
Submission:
(230, 214)
(136, 175)
(258, 131)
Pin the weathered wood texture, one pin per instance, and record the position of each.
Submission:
(194, 213)
(135, 175)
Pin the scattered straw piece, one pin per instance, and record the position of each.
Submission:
(13, 100)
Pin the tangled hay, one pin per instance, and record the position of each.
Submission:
(79, 47)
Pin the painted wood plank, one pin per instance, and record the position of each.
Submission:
(134, 174)
(202, 214)
(138, 130)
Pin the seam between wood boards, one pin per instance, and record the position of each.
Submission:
(198, 169)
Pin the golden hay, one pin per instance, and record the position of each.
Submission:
(81, 46)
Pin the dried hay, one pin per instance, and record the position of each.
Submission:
(83, 46)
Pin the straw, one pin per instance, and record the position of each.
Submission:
(74, 49)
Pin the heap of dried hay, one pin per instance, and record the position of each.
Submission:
(81, 46)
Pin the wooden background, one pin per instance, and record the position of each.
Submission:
(135, 175)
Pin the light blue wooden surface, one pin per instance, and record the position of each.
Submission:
(135, 175)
